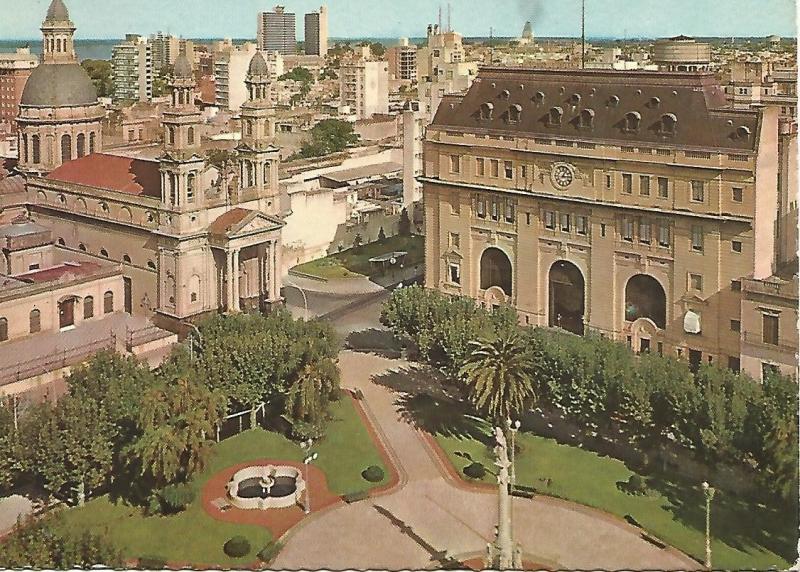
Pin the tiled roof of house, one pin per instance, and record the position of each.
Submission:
(628, 108)
(112, 173)
(227, 220)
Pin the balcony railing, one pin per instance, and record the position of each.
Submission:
(757, 339)
(781, 289)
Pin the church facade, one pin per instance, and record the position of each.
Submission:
(193, 238)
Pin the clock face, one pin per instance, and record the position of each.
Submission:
(562, 176)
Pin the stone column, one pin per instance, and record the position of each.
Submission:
(229, 281)
(275, 270)
(236, 307)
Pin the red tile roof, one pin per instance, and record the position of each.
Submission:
(227, 220)
(112, 173)
(69, 270)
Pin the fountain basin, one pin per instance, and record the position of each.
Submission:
(264, 487)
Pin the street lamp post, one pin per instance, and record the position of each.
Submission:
(306, 462)
(708, 491)
(303, 293)
(513, 427)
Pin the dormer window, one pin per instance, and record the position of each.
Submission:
(655, 101)
(668, 124)
(586, 119)
(575, 99)
(632, 121)
(486, 111)
(613, 101)
(743, 132)
(505, 94)
(538, 98)
(555, 115)
(514, 113)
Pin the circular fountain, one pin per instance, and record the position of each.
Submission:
(265, 487)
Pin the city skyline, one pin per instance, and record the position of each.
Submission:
(363, 19)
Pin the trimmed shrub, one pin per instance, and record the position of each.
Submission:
(475, 470)
(355, 496)
(636, 485)
(175, 498)
(269, 552)
(373, 474)
(152, 562)
(154, 505)
(237, 547)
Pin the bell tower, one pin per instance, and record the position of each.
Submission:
(258, 157)
(181, 162)
(58, 30)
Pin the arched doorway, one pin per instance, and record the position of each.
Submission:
(566, 297)
(496, 270)
(66, 313)
(645, 298)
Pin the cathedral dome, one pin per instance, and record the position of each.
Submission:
(59, 85)
(57, 12)
(183, 67)
(258, 65)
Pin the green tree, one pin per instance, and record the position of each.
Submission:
(100, 73)
(298, 73)
(72, 448)
(328, 136)
(13, 460)
(497, 372)
(312, 389)
(378, 50)
(175, 422)
(161, 81)
(43, 544)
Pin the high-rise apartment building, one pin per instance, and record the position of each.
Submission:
(402, 61)
(441, 68)
(276, 31)
(316, 33)
(15, 68)
(132, 70)
(638, 205)
(230, 70)
(364, 87)
(165, 50)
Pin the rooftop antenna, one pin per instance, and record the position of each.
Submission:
(449, 29)
(491, 45)
(440, 18)
(583, 34)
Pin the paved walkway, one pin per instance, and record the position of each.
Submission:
(428, 514)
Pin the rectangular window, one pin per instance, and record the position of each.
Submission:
(698, 191)
(480, 167)
(481, 207)
(523, 172)
(455, 240)
(733, 364)
(627, 183)
(737, 194)
(603, 229)
(564, 222)
(644, 185)
(627, 229)
(696, 282)
(736, 326)
(644, 231)
(528, 218)
(495, 166)
(663, 235)
(582, 225)
(736, 285)
(495, 210)
(550, 220)
(663, 188)
(697, 238)
(455, 274)
(510, 211)
(770, 329)
(508, 167)
(736, 245)
(608, 181)
(455, 164)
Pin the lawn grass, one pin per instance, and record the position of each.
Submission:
(354, 262)
(743, 535)
(194, 537)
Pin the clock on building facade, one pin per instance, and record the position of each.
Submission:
(562, 175)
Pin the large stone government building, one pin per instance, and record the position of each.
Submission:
(191, 238)
(638, 205)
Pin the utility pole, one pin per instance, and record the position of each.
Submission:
(583, 34)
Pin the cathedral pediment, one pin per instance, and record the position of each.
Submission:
(238, 223)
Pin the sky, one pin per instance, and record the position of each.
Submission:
(398, 18)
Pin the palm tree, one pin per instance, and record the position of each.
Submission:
(498, 373)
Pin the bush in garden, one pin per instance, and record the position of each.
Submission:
(269, 552)
(175, 498)
(237, 547)
(475, 470)
(373, 474)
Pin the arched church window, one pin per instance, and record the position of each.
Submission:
(36, 152)
(66, 148)
(267, 175)
(190, 135)
(58, 44)
(250, 176)
(91, 142)
(81, 145)
(190, 183)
